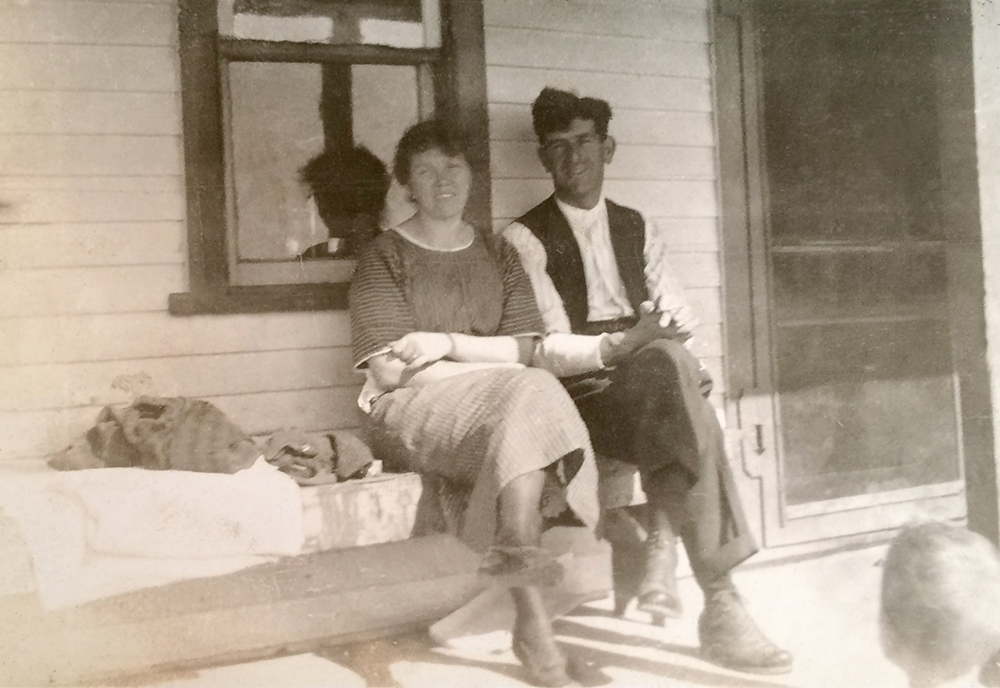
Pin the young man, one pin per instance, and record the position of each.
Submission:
(597, 268)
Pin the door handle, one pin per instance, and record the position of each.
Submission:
(759, 436)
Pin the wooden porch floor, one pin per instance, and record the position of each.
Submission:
(824, 610)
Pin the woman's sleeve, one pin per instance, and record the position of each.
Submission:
(520, 312)
(379, 312)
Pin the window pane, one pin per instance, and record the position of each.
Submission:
(866, 407)
(281, 115)
(867, 393)
(396, 23)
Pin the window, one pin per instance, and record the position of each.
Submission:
(267, 85)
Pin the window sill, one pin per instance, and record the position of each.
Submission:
(260, 299)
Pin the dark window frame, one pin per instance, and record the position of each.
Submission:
(459, 68)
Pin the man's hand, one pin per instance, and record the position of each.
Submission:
(653, 324)
(618, 345)
(418, 349)
(681, 320)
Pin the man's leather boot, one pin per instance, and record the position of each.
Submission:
(730, 638)
(657, 591)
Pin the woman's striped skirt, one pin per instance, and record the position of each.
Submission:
(480, 430)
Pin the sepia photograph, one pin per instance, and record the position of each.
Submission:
(420, 343)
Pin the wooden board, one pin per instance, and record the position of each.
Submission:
(90, 67)
(45, 155)
(113, 336)
(89, 112)
(55, 205)
(89, 290)
(607, 54)
(92, 245)
(663, 20)
(688, 234)
(36, 387)
(102, 23)
(681, 94)
(512, 122)
(136, 184)
(669, 198)
(643, 162)
(26, 434)
(296, 602)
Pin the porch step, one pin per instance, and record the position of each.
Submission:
(385, 508)
(295, 603)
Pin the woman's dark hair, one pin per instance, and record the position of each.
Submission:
(554, 110)
(431, 134)
(347, 182)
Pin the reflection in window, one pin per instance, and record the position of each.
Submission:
(348, 187)
(282, 115)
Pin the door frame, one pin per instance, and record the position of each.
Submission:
(743, 210)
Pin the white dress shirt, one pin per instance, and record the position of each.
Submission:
(606, 295)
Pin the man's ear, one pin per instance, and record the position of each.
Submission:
(543, 156)
(608, 148)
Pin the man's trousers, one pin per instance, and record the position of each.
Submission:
(652, 411)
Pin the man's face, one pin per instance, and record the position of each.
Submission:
(576, 158)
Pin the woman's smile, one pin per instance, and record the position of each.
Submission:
(439, 183)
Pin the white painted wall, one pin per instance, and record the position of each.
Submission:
(92, 241)
(92, 221)
(651, 60)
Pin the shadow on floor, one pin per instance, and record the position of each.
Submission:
(373, 660)
(571, 631)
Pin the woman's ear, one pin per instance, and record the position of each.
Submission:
(397, 207)
(608, 148)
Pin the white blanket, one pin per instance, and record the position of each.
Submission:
(102, 532)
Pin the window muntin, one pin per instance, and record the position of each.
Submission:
(396, 23)
(278, 119)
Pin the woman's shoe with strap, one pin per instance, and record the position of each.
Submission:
(521, 566)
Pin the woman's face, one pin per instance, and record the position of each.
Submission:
(439, 183)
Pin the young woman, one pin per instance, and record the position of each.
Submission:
(443, 321)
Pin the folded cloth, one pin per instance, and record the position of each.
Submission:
(165, 433)
(354, 458)
(96, 533)
(318, 458)
(185, 514)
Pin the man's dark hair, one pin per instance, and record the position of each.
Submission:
(347, 182)
(431, 134)
(554, 110)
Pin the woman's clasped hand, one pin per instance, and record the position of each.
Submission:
(418, 349)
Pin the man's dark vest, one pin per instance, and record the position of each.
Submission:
(565, 264)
